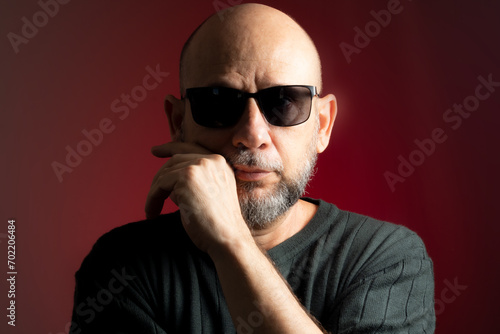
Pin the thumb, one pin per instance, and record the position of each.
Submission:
(169, 149)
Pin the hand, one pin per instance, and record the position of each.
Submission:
(203, 186)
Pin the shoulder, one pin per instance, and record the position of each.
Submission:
(363, 245)
(143, 231)
(352, 237)
(369, 235)
(139, 241)
(359, 233)
(376, 269)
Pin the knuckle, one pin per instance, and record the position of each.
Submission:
(219, 158)
(190, 171)
(203, 162)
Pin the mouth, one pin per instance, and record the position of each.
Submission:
(246, 173)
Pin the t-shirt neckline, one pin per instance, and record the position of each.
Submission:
(315, 228)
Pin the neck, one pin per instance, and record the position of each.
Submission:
(285, 226)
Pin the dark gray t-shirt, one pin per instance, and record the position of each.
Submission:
(355, 274)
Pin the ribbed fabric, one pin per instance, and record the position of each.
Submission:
(355, 274)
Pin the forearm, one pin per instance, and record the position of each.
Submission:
(257, 295)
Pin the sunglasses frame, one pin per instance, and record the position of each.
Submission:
(242, 95)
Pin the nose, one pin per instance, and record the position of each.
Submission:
(252, 130)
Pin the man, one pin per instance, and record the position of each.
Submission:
(245, 252)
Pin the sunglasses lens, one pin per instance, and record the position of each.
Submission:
(215, 107)
(286, 105)
(219, 107)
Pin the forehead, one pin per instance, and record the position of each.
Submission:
(250, 58)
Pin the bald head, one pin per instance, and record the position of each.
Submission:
(254, 47)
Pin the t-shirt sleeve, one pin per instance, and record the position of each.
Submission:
(389, 289)
(111, 305)
(112, 293)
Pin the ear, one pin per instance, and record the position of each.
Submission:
(327, 109)
(174, 109)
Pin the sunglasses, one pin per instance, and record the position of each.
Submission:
(221, 107)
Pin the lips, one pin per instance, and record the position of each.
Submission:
(246, 173)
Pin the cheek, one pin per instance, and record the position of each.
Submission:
(299, 146)
(291, 146)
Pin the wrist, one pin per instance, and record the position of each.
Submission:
(234, 250)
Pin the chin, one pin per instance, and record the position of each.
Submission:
(255, 189)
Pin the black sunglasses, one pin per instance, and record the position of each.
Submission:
(220, 107)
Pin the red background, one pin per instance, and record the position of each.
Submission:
(394, 91)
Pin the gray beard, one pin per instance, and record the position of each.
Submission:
(263, 211)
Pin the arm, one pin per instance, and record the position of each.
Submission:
(204, 188)
(258, 297)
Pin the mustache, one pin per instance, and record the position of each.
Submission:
(254, 159)
(246, 157)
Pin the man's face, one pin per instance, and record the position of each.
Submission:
(272, 164)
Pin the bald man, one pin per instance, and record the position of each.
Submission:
(246, 252)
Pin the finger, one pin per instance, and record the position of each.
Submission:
(165, 180)
(176, 163)
(154, 203)
(193, 158)
(160, 190)
(169, 149)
